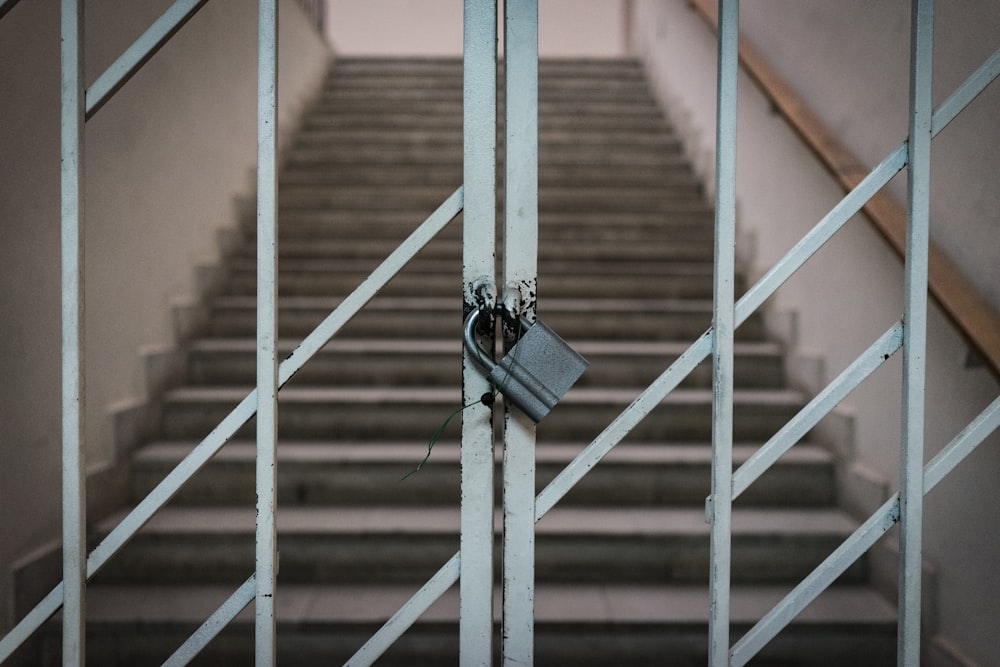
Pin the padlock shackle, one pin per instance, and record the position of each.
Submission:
(469, 338)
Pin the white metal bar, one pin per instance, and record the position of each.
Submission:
(132, 60)
(915, 333)
(267, 332)
(520, 272)
(719, 510)
(74, 496)
(407, 615)
(213, 625)
(478, 257)
(877, 354)
(862, 539)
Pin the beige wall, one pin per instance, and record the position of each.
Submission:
(434, 27)
(849, 60)
(165, 159)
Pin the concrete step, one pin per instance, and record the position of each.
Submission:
(367, 473)
(329, 118)
(299, 277)
(620, 199)
(377, 413)
(590, 625)
(350, 544)
(653, 138)
(684, 250)
(550, 175)
(451, 153)
(414, 363)
(685, 220)
(645, 320)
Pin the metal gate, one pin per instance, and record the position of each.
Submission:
(472, 566)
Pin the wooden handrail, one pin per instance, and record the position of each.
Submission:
(960, 300)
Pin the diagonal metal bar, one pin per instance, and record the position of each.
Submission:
(207, 448)
(970, 89)
(877, 354)
(135, 56)
(214, 624)
(862, 539)
(408, 614)
(831, 223)
(6, 6)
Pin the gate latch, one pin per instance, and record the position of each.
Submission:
(536, 373)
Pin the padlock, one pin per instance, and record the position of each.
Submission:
(536, 373)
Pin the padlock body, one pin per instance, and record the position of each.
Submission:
(538, 371)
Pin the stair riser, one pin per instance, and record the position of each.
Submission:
(356, 558)
(663, 202)
(238, 368)
(374, 483)
(317, 283)
(562, 175)
(569, 421)
(241, 323)
(450, 154)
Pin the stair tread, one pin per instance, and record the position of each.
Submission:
(446, 346)
(447, 395)
(584, 603)
(292, 452)
(414, 520)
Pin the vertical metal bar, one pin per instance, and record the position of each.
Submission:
(479, 247)
(719, 511)
(267, 353)
(915, 332)
(520, 275)
(74, 496)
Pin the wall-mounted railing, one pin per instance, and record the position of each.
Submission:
(972, 315)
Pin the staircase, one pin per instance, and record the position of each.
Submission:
(624, 275)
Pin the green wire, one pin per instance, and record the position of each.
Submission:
(439, 431)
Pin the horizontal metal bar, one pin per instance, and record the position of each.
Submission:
(212, 443)
(214, 624)
(408, 614)
(817, 408)
(135, 56)
(862, 539)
